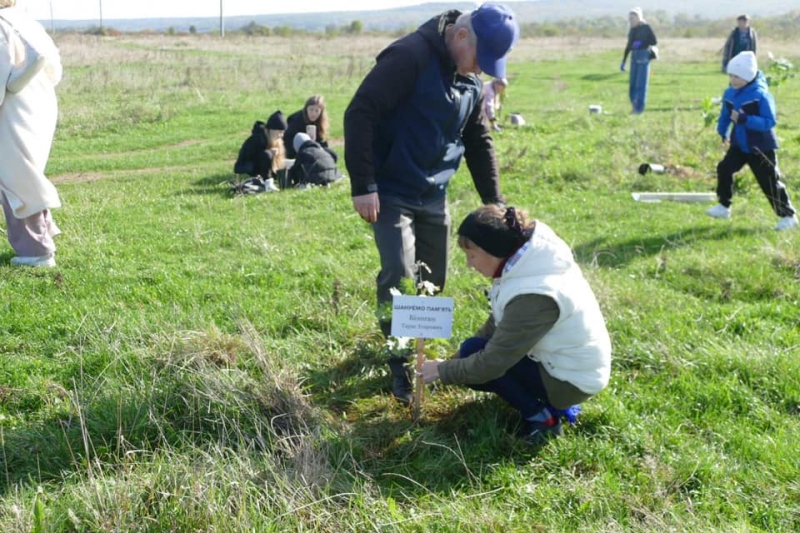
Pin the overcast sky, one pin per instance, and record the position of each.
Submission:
(121, 9)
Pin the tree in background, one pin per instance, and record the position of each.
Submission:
(355, 28)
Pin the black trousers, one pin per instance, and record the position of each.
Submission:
(407, 233)
(764, 165)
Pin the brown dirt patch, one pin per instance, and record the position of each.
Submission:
(83, 177)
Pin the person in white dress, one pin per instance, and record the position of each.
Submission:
(30, 69)
(492, 100)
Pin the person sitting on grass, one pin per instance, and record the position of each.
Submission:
(544, 348)
(748, 105)
(314, 113)
(314, 165)
(262, 154)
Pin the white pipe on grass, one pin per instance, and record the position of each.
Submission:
(690, 197)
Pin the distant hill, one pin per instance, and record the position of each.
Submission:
(409, 17)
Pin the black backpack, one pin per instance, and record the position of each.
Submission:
(314, 165)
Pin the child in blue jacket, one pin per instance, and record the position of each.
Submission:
(748, 105)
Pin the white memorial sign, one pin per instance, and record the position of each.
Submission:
(423, 317)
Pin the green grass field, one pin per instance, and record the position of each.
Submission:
(203, 363)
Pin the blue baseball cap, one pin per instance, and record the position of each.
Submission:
(497, 30)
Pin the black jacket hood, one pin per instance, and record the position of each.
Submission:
(433, 32)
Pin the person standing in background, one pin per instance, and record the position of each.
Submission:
(641, 46)
(743, 38)
(30, 67)
(492, 100)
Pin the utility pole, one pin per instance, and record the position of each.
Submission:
(221, 21)
(52, 24)
(101, 16)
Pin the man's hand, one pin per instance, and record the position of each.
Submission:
(430, 371)
(622, 67)
(368, 206)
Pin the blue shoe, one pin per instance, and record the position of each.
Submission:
(538, 433)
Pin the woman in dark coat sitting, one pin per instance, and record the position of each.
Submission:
(313, 114)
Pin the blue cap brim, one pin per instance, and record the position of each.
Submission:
(495, 68)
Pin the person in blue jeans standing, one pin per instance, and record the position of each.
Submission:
(641, 46)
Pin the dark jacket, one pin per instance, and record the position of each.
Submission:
(297, 124)
(639, 38)
(254, 159)
(755, 128)
(730, 50)
(412, 119)
(314, 165)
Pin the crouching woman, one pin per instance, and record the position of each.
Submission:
(544, 348)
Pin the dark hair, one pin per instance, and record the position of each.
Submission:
(743, 17)
(497, 230)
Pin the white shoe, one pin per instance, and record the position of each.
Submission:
(35, 261)
(787, 223)
(719, 211)
(269, 185)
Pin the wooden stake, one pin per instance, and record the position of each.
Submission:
(420, 384)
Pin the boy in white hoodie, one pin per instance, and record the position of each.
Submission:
(545, 348)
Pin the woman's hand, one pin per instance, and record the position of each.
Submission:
(430, 371)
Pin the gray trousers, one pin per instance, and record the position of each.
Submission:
(31, 236)
(405, 234)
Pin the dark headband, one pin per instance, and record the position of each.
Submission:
(500, 242)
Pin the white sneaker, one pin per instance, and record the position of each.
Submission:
(719, 211)
(269, 185)
(35, 261)
(787, 223)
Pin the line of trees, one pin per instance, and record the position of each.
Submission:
(356, 27)
(780, 27)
